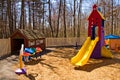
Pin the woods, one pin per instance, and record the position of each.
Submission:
(56, 18)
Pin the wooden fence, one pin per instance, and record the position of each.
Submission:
(5, 48)
(52, 42)
(5, 45)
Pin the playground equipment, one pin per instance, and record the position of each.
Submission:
(30, 52)
(21, 70)
(113, 42)
(26, 53)
(94, 45)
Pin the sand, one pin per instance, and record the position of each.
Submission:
(55, 65)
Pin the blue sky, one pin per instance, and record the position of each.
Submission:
(87, 4)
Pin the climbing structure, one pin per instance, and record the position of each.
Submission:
(96, 29)
(94, 44)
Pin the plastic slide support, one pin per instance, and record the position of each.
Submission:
(106, 53)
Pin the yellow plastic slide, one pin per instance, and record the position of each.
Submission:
(106, 53)
(80, 53)
(84, 54)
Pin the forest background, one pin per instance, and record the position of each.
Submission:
(56, 18)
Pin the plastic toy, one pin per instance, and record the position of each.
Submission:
(21, 70)
(30, 52)
(94, 44)
(25, 56)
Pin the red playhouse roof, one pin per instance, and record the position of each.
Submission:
(95, 13)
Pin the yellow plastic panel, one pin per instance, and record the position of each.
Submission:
(80, 52)
(87, 53)
(106, 53)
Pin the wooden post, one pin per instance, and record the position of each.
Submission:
(20, 56)
(21, 63)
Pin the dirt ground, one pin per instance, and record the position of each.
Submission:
(55, 65)
(7, 69)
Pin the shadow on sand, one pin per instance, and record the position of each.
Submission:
(34, 61)
(49, 65)
(32, 76)
(99, 63)
(66, 52)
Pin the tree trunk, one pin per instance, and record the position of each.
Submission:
(29, 8)
(43, 20)
(22, 26)
(58, 18)
(2, 19)
(50, 24)
(112, 29)
(65, 34)
(15, 17)
(79, 19)
(9, 16)
(74, 32)
(33, 15)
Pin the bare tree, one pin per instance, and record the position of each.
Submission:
(15, 15)
(58, 18)
(112, 30)
(64, 19)
(50, 23)
(79, 18)
(74, 15)
(9, 16)
(65, 34)
(43, 30)
(33, 15)
(29, 10)
(22, 25)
